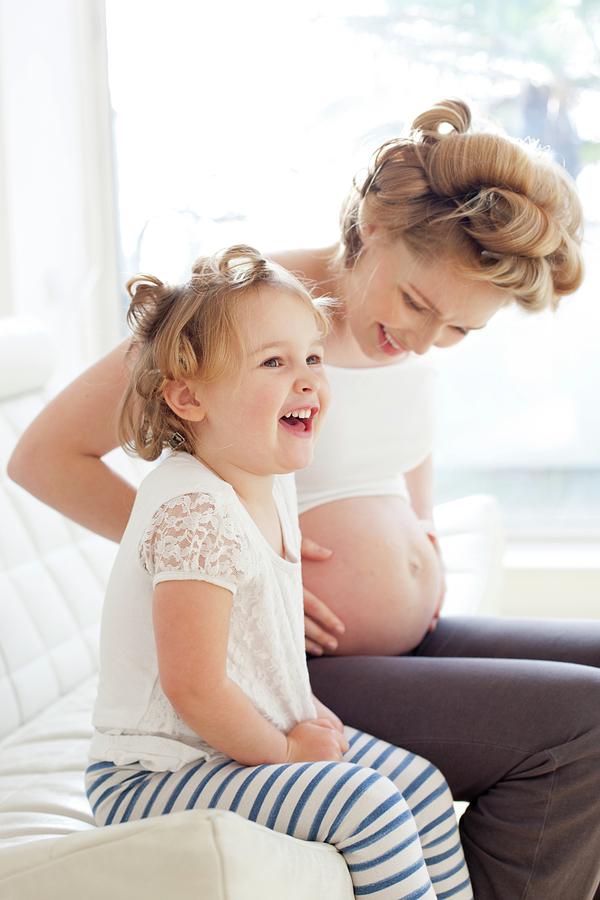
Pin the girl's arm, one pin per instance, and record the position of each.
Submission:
(58, 458)
(191, 629)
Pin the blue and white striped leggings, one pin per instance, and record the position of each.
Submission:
(387, 811)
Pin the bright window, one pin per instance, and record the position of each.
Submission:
(237, 121)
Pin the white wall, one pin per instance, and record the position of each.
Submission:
(560, 580)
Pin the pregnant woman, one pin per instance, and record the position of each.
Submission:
(444, 230)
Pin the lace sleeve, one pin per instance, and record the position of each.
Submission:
(190, 537)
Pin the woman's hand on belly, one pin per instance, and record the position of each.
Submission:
(320, 624)
(383, 579)
(442, 593)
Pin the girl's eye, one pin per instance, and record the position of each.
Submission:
(314, 359)
(273, 363)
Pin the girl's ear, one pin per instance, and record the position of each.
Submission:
(184, 401)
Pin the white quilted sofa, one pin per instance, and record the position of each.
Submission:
(52, 576)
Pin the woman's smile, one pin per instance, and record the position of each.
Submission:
(389, 344)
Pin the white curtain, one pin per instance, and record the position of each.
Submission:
(57, 215)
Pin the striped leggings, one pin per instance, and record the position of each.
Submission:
(387, 811)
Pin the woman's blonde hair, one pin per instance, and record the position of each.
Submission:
(190, 331)
(499, 209)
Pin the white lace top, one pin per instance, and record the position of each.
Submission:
(189, 524)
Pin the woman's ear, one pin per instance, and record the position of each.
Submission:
(368, 233)
(183, 399)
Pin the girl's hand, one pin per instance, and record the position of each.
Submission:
(314, 740)
(323, 712)
(320, 625)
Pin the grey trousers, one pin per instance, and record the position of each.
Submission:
(509, 711)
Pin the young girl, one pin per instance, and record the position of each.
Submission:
(204, 699)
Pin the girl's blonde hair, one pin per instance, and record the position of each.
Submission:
(498, 209)
(190, 331)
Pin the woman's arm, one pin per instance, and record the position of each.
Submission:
(58, 458)
(419, 482)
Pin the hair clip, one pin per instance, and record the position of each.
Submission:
(176, 440)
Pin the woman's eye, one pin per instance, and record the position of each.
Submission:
(411, 304)
(314, 359)
(273, 363)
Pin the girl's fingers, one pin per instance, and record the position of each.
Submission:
(319, 611)
(311, 550)
(338, 724)
(324, 723)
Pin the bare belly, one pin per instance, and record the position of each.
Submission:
(383, 579)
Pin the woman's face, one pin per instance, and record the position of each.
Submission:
(397, 303)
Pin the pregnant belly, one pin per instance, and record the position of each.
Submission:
(383, 579)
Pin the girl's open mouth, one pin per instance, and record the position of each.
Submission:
(300, 421)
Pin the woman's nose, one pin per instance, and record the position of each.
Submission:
(425, 337)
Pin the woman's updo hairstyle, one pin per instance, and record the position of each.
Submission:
(500, 210)
(190, 331)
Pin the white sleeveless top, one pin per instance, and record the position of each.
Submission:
(187, 523)
(380, 425)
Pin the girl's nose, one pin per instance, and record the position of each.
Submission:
(308, 382)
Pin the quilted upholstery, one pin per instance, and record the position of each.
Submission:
(52, 576)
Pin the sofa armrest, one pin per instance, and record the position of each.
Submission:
(191, 855)
(471, 539)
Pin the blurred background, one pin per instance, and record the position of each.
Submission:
(137, 134)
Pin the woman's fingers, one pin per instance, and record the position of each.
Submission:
(311, 550)
(433, 624)
(320, 612)
(311, 647)
(318, 636)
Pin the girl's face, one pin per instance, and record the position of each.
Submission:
(263, 419)
(397, 303)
